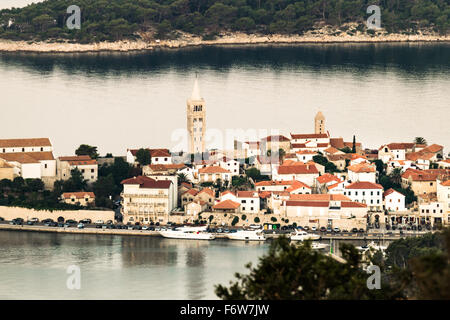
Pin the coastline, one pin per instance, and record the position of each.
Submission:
(235, 39)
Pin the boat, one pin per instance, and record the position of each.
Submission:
(247, 235)
(318, 246)
(371, 246)
(303, 235)
(191, 233)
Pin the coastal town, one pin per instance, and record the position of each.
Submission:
(310, 179)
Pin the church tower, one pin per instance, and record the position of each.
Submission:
(196, 121)
(319, 121)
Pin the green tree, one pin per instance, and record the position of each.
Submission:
(143, 157)
(87, 150)
(297, 272)
(235, 220)
(420, 140)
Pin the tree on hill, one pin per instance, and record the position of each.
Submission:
(143, 157)
(87, 150)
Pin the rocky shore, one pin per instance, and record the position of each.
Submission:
(186, 40)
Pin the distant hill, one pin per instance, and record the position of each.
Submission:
(111, 20)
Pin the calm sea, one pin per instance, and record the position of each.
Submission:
(379, 92)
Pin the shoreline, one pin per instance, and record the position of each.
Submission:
(231, 39)
(120, 232)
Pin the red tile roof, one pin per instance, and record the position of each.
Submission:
(362, 167)
(319, 197)
(279, 138)
(78, 195)
(148, 183)
(227, 204)
(24, 143)
(208, 191)
(390, 191)
(309, 136)
(213, 169)
(246, 194)
(298, 169)
(327, 177)
(27, 157)
(364, 185)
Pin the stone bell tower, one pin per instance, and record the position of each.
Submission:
(196, 120)
(319, 122)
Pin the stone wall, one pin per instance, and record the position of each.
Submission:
(9, 213)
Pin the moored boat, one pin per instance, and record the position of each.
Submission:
(190, 233)
(247, 235)
(303, 235)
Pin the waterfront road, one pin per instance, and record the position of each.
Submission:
(270, 234)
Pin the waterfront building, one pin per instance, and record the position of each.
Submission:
(249, 201)
(227, 206)
(319, 123)
(87, 166)
(394, 200)
(145, 199)
(424, 181)
(31, 158)
(195, 207)
(78, 198)
(443, 195)
(196, 120)
(325, 210)
(366, 192)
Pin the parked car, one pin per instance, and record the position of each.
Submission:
(34, 220)
(419, 228)
(388, 227)
(313, 228)
(61, 225)
(336, 229)
(109, 222)
(30, 223)
(306, 228)
(48, 220)
(344, 231)
(329, 229)
(2, 219)
(98, 226)
(99, 222)
(71, 221)
(361, 230)
(80, 226)
(66, 225)
(354, 230)
(219, 230)
(323, 229)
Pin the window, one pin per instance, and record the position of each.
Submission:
(92, 170)
(23, 149)
(251, 208)
(45, 166)
(243, 201)
(42, 149)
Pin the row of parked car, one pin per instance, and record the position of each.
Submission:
(331, 230)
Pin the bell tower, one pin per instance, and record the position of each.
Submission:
(319, 122)
(196, 120)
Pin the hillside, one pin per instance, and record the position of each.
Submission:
(105, 20)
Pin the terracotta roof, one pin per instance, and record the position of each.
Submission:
(331, 150)
(364, 185)
(23, 143)
(298, 169)
(399, 146)
(275, 183)
(433, 148)
(78, 195)
(186, 184)
(390, 191)
(27, 157)
(446, 183)
(207, 191)
(148, 183)
(192, 192)
(279, 138)
(353, 205)
(426, 175)
(297, 185)
(319, 197)
(265, 194)
(154, 152)
(327, 177)
(247, 194)
(166, 167)
(293, 203)
(309, 136)
(306, 152)
(213, 169)
(337, 143)
(338, 157)
(334, 185)
(75, 158)
(350, 144)
(227, 204)
(414, 156)
(362, 167)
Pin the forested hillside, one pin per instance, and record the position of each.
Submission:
(124, 19)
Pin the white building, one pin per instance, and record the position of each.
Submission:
(366, 192)
(394, 200)
(145, 199)
(249, 201)
(87, 166)
(362, 172)
(211, 174)
(443, 195)
(157, 156)
(394, 151)
(31, 158)
(306, 173)
(230, 165)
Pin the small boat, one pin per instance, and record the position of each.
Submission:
(191, 233)
(318, 246)
(247, 235)
(371, 246)
(303, 235)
